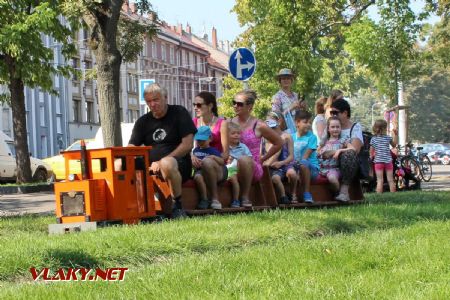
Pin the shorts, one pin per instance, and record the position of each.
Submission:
(224, 174)
(184, 167)
(313, 169)
(282, 171)
(232, 170)
(384, 166)
(330, 172)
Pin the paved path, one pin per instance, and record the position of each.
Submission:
(440, 179)
(44, 203)
(34, 203)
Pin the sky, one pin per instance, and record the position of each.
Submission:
(204, 14)
(201, 15)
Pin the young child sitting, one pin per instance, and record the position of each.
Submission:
(381, 154)
(305, 154)
(237, 150)
(203, 138)
(329, 152)
(281, 164)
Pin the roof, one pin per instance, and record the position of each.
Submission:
(216, 64)
(183, 39)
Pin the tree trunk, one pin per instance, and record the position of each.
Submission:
(108, 81)
(16, 89)
(108, 58)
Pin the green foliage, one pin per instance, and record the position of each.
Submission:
(232, 87)
(302, 35)
(439, 44)
(23, 24)
(131, 33)
(361, 105)
(429, 99)
(386, 47)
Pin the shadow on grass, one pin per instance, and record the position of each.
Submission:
(70, 259)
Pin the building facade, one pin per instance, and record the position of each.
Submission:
(174, 58)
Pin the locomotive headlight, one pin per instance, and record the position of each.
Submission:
(71, 177)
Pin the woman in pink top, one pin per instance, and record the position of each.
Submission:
(205, 107)
(252, 131)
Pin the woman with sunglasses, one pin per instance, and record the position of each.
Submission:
(348, 160)
(205, 108)
(252, 131)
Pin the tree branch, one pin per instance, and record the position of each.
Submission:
(343, 23)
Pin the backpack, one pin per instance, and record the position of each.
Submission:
(365, 163)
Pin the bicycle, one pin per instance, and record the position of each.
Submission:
(419, 162)
(406, 172)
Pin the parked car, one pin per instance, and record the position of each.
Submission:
(427, 148)
(57, 161)
(40, 170)
(433, 156)
(443, 157)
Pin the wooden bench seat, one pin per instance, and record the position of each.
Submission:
(321, 192)
(262, 194)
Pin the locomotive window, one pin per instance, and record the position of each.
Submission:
(99, 165)
(139, 162)
(120, 163)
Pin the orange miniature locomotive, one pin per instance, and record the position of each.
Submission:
(112, 186)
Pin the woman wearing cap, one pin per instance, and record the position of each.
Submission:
(285, 100)
(205, 108)
(252, 131)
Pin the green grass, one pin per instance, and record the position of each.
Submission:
(396, 246)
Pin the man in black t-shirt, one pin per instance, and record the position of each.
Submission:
(169, 129)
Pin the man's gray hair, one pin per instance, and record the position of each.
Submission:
(155, 88)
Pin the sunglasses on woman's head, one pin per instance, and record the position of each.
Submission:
(198, 105)
(238, 104)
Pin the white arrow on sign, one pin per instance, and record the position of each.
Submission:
(239, 66)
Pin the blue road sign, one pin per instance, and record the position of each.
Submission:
(242, 64)
(142, 84)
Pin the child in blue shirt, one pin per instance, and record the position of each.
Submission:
(305, 154)
(203, 149)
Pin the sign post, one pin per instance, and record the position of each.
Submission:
(142, 84)
(242, 65)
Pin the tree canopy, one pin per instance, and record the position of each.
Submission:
(26, 61)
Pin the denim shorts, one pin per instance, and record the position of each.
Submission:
(313, 169)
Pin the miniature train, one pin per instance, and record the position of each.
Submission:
(113, 186)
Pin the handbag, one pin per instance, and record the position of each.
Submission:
(366, 171)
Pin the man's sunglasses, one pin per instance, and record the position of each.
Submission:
(238, 104)
(334, 112)
(198, 105)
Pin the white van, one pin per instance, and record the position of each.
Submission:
(8, 170)
(126, 128)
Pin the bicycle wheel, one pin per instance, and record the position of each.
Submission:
(426, 170)
(412, 168)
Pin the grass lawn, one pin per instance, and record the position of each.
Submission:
(395, 246)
